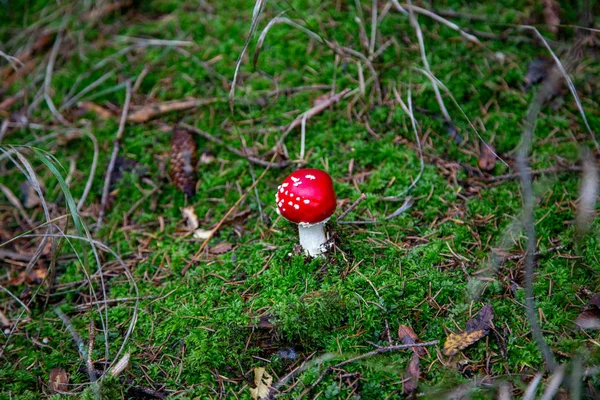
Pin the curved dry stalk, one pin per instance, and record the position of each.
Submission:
(402, 8)
(449, 93)
(258, 6)
(48, 80)
(570, 84)
(113, 157)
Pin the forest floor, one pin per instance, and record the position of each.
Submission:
(201, 296)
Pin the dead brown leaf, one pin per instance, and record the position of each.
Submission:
(35, 277)
(191, 220)
(412, 375)
(408, 336)
(262, 382)
(487, 157)
(4, 322)
(88, 106)
(589, 318)
(221, 248)
(476, 328)
(264, 322)
(58, 380)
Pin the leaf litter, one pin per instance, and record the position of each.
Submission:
(475, 329)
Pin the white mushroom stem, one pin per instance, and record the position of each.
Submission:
(313, 238)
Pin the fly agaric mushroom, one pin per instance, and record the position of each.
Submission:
(307, 198)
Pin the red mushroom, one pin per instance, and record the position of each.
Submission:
(307, 198)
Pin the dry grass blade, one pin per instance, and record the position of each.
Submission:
(435, 17)
(554, 383)
(532, 387)
(588, 191)
(441, 85)
(419, 33)
(115, 152)
(570, 84)
(258, 6)
(48, 80)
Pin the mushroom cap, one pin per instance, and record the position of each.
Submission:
(306, 196)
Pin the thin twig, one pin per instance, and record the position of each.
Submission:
(352, 207)
(113, 158)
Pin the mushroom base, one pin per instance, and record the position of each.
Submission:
(313, 238)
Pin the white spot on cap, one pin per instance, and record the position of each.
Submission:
(295, 179)
(296, 206)
(298, 183)
(306, 201)
(286, 192)
(281, 190)
(285, 184)
(290, 203)
(284, 209)
(291, 194)
(311, 177)
(297, 198)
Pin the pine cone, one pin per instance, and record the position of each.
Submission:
(183, 161)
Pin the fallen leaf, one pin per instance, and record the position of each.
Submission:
(190, 217)
(183, 161)
(36, 276)
(264, 322)
(411, 376)
(207, 157)
(17, 280)
(589, 318)
(262, 381)
(221, 248)
(408, 336)
(487, 156)
(88, 106)
(59, 380)
(203, 234)
(4, 322)
(476, 328)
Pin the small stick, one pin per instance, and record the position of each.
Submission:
(254, 160)
(352, 207)
(113, 158)
(379, 350)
